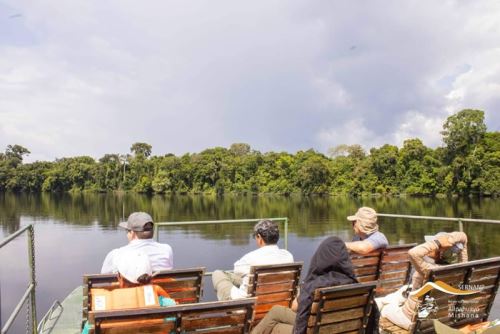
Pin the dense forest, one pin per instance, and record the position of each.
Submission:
(467, 164)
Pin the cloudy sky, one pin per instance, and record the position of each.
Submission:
(85, 77)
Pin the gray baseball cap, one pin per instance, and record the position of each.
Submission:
(136, 221)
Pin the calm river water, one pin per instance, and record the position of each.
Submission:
(75, 232)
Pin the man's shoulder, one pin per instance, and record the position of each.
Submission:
(153, 242)
(273, 250)
(378, 235)
(378, 239)
(161, 245)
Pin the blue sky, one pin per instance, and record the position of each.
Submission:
(93, 77)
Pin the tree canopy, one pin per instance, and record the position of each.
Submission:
(467, 164)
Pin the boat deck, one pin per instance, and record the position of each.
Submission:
(70, 320)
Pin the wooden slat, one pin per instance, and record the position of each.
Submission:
(341, 327)
(365, 261)
(181, 284)
(337, 316)
(385, 291)
(451, 278)
(274, 297)
(263, 308)
(274, 277)
(365, 270)
(393, 275)
(483, 281)
(341, 303)
(390, 284)
(394, 266)
(215, 320)
(485, 271)
(398, 257)
(370, 278)
(269, 288)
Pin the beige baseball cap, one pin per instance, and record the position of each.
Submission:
(367, 217)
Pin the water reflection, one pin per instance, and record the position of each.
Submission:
(75, 231)
(309, 217)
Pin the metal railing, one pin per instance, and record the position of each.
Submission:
(30, 291)
(469, 220)
(460, 221)
(228, 221)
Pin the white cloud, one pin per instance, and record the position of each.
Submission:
(417, 125)
(354, 131)
(93, 77)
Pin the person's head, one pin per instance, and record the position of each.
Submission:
(331, 256)
(447, 250)
(266, 232)
(364, 221)
(133, 268)
(139, 225)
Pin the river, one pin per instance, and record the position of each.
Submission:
(74, 232)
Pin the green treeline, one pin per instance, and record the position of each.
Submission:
(468, 164)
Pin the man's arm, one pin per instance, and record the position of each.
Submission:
(242, 266)
(170, 257)
(108, 266)
(360, 247)
(460, 237)
(417, 255)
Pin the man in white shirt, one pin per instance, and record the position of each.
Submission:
(139, 226)
(234, 285)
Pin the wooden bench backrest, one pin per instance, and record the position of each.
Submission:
(391, 267)
(341, 309)
(273, 285)
(225, 317)
(469, 275)
(366, 267)
(394, 269)
(183, 285)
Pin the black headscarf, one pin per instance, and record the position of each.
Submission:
(330, 265)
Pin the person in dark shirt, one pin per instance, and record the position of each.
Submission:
(330, 266)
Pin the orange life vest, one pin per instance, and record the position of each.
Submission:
(124, 298)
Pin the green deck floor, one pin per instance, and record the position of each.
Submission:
(70, 319)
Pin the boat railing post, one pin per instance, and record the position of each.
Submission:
(32, 264)
(460, 225)
(286, 233)
(155, 232)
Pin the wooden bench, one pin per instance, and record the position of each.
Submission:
(341, 309)
(394, 269)
(469, 275)
(225, 317)
(183, 285)
(391, 267)
(275, 284)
